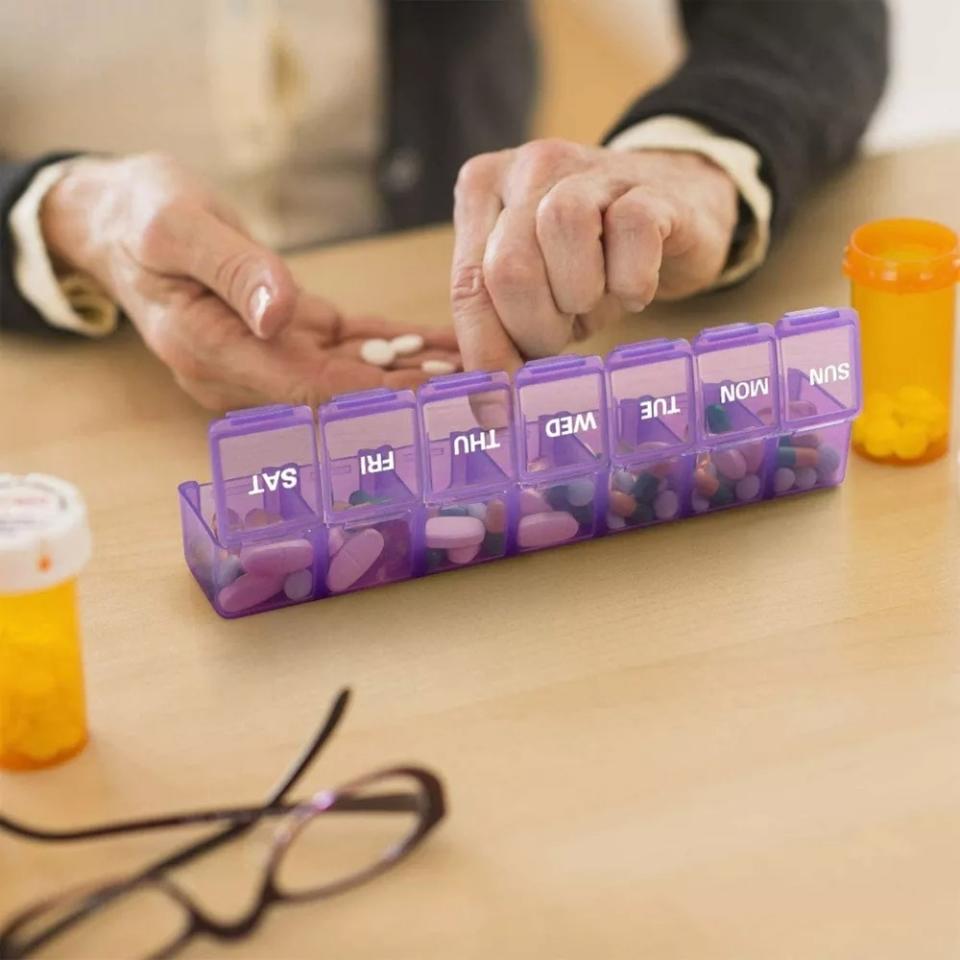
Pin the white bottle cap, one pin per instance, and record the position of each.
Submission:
(44, 534)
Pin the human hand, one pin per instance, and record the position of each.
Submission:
(221, 311)
(549, 233)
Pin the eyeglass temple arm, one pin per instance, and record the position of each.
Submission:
(242, 816)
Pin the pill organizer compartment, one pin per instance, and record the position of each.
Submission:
(738, 414)
(254, 537)
(820, 395)
(469, 468)
(652, 399)
(371, 481)
(562, 451)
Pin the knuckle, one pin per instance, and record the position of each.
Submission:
(565, 210)
(545, 156)
(466, 284)
(231, 271)
(158, 232)
(474, 175)
(510, 273)
(631, 212)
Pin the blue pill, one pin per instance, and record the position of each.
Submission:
(580, 493)
(454, 512)
(718, 420)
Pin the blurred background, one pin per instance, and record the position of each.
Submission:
(622, 45)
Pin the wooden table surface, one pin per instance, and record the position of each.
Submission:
(734, 737)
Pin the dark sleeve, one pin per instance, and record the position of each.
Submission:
(796, 79)
(15, 312)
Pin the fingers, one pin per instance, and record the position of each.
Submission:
(635, 227)
(252, 280)
(516, 278)
(569, 227)
(484, 343)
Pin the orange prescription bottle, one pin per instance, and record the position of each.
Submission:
(44, 544)
(903, 277)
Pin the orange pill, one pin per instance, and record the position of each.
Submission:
(496, 517)
(706, 482)
(807, 456)
(622, 504)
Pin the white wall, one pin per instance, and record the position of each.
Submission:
(923, 97)
(922, 102)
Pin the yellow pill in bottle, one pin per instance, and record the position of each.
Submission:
(903, 275)
(44, 545)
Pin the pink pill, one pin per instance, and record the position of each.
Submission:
(354, 559)
(460, 555)
(444, 533)
(752, 455)
(335, 540)
(247, 591)
(532, 501)
(546, 529)
(285, 556)
(730, 463)
(662, 469)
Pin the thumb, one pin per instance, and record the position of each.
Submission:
(251, 279)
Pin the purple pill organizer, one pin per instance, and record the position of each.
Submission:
(385, 485)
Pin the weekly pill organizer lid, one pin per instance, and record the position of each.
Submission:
(44, 533)
(561, 415)
(819, 364)
(370, 453)
(652, 399)
(468, 430)
(739, 386)
(262, 458)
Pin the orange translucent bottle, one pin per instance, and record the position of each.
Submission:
(44, 544)
(903, 276)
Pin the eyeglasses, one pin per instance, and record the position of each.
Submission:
(392, 811)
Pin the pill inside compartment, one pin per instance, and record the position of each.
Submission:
(469, 468)
(562, 451)
(738, 415)
(253, 537)
(820, 396)
(371, 479)
(652, 413)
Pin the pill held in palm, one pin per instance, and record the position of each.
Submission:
(437, 368)
(407, 344)
(378, 352)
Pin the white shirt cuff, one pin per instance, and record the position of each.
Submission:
(739, 160)
(71, 302)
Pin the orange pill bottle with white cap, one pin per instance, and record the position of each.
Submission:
(903, 277)
(44, 544)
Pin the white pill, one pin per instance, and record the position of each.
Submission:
(378, 352)
(407, 344)
(298, 585)
(437, 367)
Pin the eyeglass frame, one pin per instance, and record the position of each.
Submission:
(241, 820)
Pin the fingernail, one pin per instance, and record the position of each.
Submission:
(259, 304)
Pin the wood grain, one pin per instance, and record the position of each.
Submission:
(734, 737)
